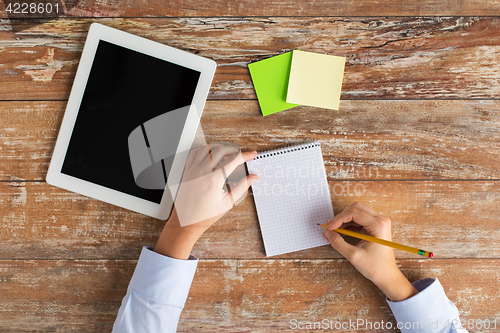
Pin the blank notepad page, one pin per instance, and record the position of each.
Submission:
(291, 197)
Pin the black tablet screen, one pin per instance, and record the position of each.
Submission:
(125, 89)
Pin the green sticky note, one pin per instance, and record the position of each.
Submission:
(270, 80)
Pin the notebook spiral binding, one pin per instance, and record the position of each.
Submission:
(288, 149)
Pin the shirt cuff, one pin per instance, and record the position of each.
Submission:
(430, 304)
(164, 279)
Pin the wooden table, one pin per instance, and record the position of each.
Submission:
(417, 135)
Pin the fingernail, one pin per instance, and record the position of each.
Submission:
(253, 180)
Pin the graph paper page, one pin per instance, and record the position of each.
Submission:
(291, 198)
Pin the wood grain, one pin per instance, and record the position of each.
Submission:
(108, 8)
(61, 296)
(454, 219)
(263, 296)
(387, 58)
(230, 295)
(374, 139)
(363, 140)
(431, 165)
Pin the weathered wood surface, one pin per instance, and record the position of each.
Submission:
(388, 58)
(61, 296)
(136, 8)
(231, 295)
(263, 296)
(431, 165)
(454, 219)
(363, 140)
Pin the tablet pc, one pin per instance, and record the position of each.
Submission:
(126, 86)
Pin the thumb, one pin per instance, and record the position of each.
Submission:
(237, 191)
(339, 244)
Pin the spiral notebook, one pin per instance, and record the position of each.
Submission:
(291, 197)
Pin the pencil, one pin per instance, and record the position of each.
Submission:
(381, 241)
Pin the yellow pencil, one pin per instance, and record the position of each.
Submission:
(381, 241)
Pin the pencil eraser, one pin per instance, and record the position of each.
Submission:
(431, 255)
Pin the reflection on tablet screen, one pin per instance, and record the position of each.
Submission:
(125, 89)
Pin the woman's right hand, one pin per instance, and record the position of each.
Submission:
(376, 262)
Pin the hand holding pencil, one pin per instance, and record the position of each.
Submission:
(380, 241)
(377, 263)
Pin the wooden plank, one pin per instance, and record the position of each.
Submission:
(374, 139)
(454, 219)
(388, 58)
(61, 296)
(107, 8)
(76, 226)
(231, 295)
(364, 140)
(28, 135)
(264, 295)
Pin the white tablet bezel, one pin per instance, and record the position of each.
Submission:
(205, 66)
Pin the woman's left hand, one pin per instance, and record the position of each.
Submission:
(201, 199)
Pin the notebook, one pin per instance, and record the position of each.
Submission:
(291, 197)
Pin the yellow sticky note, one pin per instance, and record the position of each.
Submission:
(315, 79)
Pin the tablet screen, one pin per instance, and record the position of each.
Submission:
(125, 88)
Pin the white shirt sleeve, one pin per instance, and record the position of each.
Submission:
(160, 286)
(429, 311)
(156, 294)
